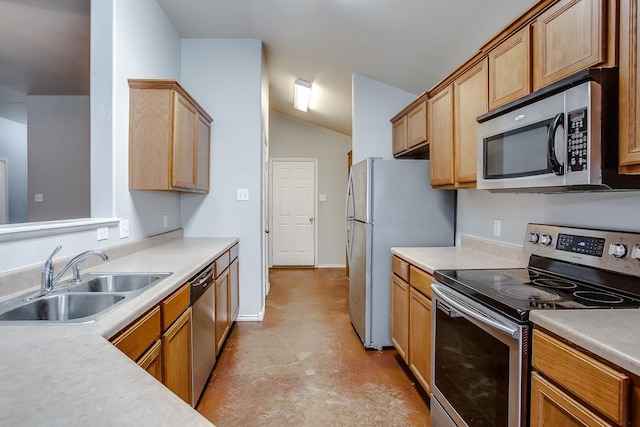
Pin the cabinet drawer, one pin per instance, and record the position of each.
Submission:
(596, 384)
(400, 267)
(174, 305)
(221, 263)
(139, 336)
(235, 250)
(420, 280)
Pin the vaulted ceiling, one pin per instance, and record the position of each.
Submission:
(408, 44)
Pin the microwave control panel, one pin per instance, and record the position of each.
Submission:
(577, 138)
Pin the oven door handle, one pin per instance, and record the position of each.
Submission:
(468, 311)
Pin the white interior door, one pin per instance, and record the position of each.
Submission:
(293, 220)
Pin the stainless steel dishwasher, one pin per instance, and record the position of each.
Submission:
(203, 329)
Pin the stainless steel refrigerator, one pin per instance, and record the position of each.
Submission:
(389, 203)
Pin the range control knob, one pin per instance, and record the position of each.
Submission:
(618, 250)
(635, 252)
(545, 239)
(533, 237)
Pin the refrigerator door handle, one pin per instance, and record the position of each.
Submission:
(349, 218)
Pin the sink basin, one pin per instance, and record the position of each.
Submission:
(128, 282)
(63, 307)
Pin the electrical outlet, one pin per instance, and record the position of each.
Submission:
(103, 233)
(243, 194)
(497, 224)
(38, 198)
(124, 228)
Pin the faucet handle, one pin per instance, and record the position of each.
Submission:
(48, 262)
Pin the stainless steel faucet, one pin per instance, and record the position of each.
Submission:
(49, 280)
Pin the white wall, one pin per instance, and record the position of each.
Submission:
(146, 46)
(374, 103)
(478, 208)
(58, 134)
(13, 147)
(226, 76)
(294, 138)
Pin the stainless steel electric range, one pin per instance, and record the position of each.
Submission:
(480, 342)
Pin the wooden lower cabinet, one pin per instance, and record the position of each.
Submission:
(420, 337)
(569, 387)
(222, 309)
(411, 318)
(400, 316)
(176, 354)
(234, 290)
(550, 406)
(151, 361)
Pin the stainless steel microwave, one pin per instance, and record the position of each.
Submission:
(560, 138)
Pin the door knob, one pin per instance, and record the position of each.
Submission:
(310, 220)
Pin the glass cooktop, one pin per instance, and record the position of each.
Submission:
(514, 292)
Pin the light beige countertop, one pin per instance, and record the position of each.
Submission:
(446, 258)
(613, 335)
(69, 374)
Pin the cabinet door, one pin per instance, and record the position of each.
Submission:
(176, 355)
(417, 125)
(420, 337)
(222, 309)
(510, 69)
(569, 37)
(550, 406)
(629, 152)
(184, 149)
(234, 290)
(441, 137)
(471, 92)
(400, 315)
(151, 361)
(203, 153)
(399, 135)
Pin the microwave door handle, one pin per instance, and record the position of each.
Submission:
(557, 121)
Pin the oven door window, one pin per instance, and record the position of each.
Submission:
(519, 152)
(472, 371)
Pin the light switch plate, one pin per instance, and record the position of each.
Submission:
(497, 224)
(323, 197)
(243, 194)
(38, 198)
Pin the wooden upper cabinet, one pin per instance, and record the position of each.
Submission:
(471, 100)
(569, 36)
(510, 69)
(441, 137)
(410, 132)
(399, 135)
(169, 137)
(629, 101)
(204, 154)
(417, 125)
(184, 151)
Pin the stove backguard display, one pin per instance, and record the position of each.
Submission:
(580, 244)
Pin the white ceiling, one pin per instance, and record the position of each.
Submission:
(408, 44)
(44, 50)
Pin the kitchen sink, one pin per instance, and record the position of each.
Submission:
(119, 282)
(63, 307)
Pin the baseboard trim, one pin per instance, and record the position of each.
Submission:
(331, 266)
(251, 317)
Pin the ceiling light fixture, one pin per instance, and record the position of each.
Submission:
(301, 95)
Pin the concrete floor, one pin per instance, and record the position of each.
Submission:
(305, 366)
